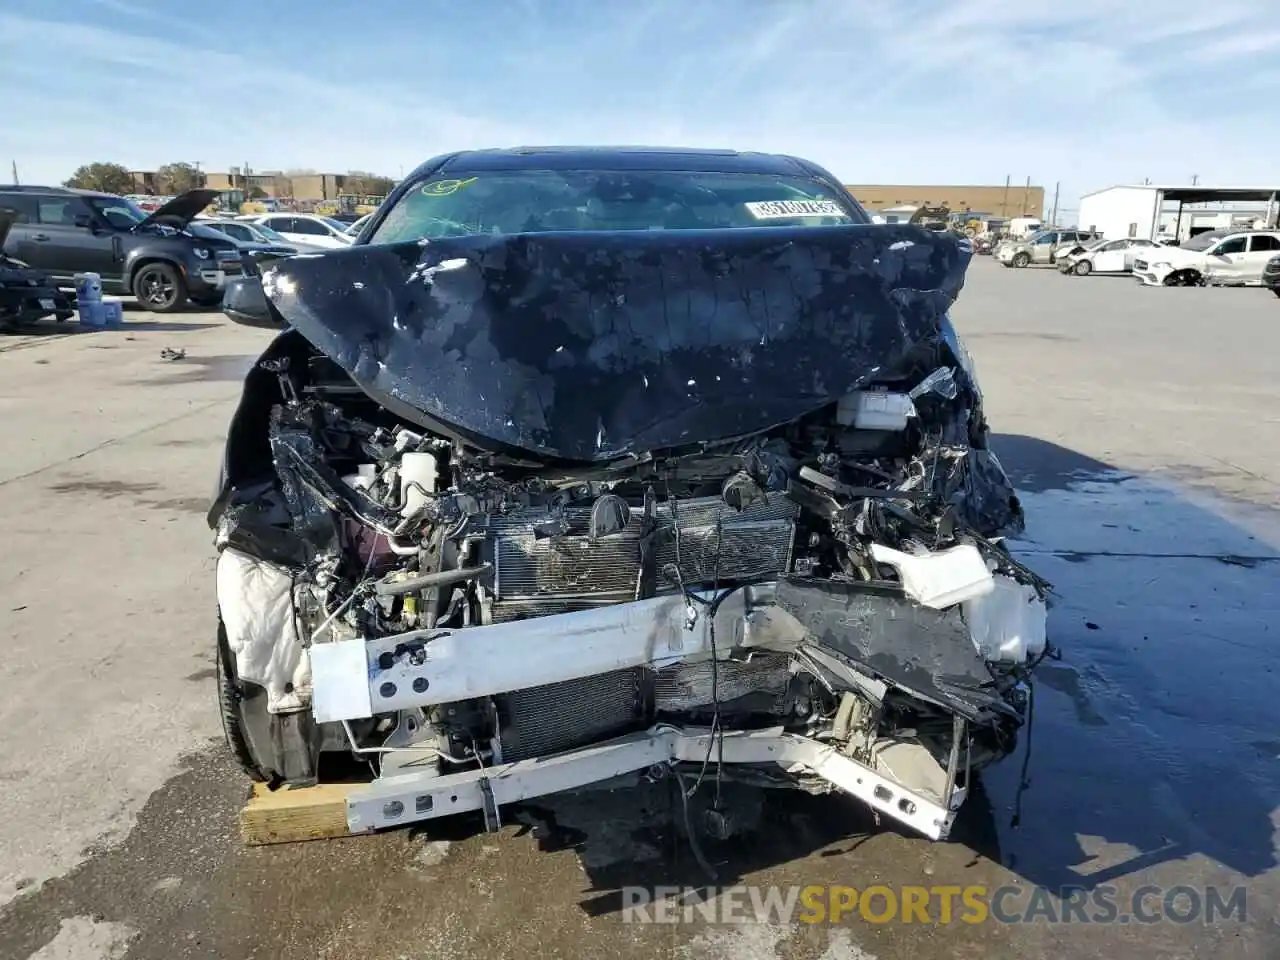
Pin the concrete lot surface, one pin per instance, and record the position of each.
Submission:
(1141, 426)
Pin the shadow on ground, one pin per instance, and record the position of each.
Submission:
(1154, 736)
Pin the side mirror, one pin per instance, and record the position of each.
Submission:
(244, 302)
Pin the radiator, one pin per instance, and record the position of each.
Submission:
(537, 577)
(561, 716)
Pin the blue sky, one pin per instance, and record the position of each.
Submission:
(1086, 92)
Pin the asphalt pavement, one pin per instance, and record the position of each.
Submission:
(1141, 427)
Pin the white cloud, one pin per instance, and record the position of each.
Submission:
(1089, 92)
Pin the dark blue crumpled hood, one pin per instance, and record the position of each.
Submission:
(592, 346)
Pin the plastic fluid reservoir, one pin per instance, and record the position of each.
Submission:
(417, 480)
(363, 478)
(875, 410)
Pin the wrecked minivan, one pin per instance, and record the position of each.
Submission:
(589, 464)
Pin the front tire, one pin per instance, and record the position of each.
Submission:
(233, 701)
(1020, 260)
(1083, 268)
(1184, 278)
(160, 288)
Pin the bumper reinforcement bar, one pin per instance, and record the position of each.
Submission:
(411, 797)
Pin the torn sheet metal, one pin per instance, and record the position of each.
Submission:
(668, 332)
(928, 652)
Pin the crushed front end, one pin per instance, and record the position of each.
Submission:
(508, 516)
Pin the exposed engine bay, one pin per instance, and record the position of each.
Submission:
(809, 591)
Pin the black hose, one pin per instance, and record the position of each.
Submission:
(398, 588)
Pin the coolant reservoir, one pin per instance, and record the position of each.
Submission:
(1009, 623)
(417, 480)
(875, 410)
(363, 478)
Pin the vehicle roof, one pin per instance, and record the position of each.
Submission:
(618, 158)
(71, 191)
(1235, 231)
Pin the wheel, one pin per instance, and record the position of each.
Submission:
(160, 288)
(207, 299)
(1184, 278)
(1020, 259)
(1083, 268)
(233, 702)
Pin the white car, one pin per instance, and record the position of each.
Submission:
(1104, 256)
(1219, 257)
(353, 230)
(306, 228)
(245, 231)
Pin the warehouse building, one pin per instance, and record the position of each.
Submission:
(1002, 201)
(1153, 211)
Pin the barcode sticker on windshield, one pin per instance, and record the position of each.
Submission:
(785, 209)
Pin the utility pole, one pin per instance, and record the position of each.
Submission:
(15, 173)
(1026, 194)
(1004, 204)
(1054, 219)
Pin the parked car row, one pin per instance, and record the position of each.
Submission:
(1043, 246)
(1240, 257)
(165, 258)
(156, 257)
(1103, 256)
(1215, 258)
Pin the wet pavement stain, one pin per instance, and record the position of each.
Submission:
(223, 368)
(135, 492)
(183, 442)
(1067, 681)
(109, 489)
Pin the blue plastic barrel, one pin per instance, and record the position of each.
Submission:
(88, 286)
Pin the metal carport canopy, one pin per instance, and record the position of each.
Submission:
(1198, 194)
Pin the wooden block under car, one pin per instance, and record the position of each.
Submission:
(287, 816)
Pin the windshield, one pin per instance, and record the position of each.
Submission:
(261, 231)
(1202, 242)
(120, 213)
(541, 201)
(206, 231)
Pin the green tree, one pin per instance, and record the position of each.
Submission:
(176, 178)
(105, 177)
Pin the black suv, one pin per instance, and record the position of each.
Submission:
(152, 256)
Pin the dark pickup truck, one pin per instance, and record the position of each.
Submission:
(152, 256)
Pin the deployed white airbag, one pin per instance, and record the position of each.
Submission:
(255, 599)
